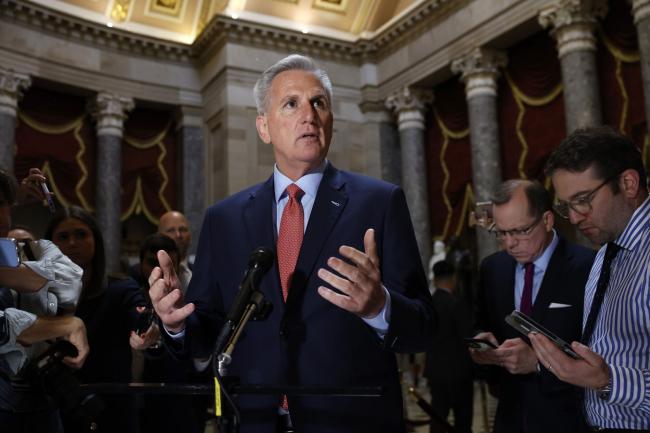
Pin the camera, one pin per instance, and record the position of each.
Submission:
(58, 381)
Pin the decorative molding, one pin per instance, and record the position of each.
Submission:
(573, 23)
(110, 112)
(94, 34)
(222, 28)
(409, 103)
(479, 71)
(640, 10)
(12, 85)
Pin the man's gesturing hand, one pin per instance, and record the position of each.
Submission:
(166, 295)
(359, 283)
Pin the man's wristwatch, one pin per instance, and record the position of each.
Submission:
(605, 392)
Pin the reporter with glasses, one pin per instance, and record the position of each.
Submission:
(601, 187)
(34, 296)
(542, 275)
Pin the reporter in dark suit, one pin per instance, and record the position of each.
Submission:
(449, 368)
(356, 288)
(542, 275)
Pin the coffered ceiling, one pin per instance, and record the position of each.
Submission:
(183, 20)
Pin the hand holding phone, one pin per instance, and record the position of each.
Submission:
(479, 344)
(526, 325)
(9, 253)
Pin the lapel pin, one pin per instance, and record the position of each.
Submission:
(335, 203)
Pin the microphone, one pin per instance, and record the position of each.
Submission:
(259, 262)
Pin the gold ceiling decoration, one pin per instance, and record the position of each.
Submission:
(183, 20)
(169, 7)
(120, 10)
(331, 5)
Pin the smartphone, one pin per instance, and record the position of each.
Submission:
(526, 325)
(9, 253)
(479, 344)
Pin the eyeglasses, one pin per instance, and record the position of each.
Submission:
(581, 204)
(518, 234)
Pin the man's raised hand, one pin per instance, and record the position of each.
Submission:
(166, 295)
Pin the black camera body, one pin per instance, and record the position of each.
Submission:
(58, 381)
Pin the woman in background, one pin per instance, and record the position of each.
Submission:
(107, 306)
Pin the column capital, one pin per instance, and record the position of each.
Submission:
(572, 22)
(12, 86)
(640, 10)
(479, 71)
(109, 111)
(409, 103)
(186, 116)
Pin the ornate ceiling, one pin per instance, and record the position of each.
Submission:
(183, 20)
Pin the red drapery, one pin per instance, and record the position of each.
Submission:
(55, 133)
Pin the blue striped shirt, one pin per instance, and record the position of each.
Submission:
(622, 332)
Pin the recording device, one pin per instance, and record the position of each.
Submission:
(526, 325)
(259, 263)
(4, 331)
(144, 320)
(9, 253)
(479, 344)
(48, 197)
(59, 382)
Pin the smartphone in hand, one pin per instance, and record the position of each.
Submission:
(479, 344)
(9, 253)
(526, 325)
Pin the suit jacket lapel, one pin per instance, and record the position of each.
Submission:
(258, 220)
(551, 282)
(330, 202)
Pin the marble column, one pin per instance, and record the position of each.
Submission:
(641, 11)
(572, 23)
(410, 104)
(479, 71)
(110, 112)
(189, 124)
(12, 85)
(382, 130)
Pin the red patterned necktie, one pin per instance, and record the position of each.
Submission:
(290, 237)
(526, 304)
(289, 242)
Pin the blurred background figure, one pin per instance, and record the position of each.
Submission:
(107, 306)
(449, 369)
(21, 233)
(157, 365)
(175, 225)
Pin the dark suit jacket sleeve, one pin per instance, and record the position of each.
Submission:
(413, 319)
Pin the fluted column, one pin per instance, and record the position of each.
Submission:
(641, 11)
(190, 137)
(12, 85)
(573, 23)
(110, 112)
(479, 71)
(410, 104)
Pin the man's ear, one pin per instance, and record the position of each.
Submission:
(548, 219)
(263, 128)
(629, 183)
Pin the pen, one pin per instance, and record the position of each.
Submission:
(48, 197)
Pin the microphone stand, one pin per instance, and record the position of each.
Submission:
(257, 309)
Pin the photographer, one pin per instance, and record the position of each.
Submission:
(46, 284)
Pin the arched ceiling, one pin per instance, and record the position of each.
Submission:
(183, 20)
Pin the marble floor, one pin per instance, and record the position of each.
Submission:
(484, 407)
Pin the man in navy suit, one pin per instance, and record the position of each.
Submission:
(542, 275)
(356, 295)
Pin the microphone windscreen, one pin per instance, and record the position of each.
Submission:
(261, 258)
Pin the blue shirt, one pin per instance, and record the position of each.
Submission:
(309, 183)
(541, 263)
(622, 331)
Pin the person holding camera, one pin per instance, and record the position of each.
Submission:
(46, 284)
(108, 307)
